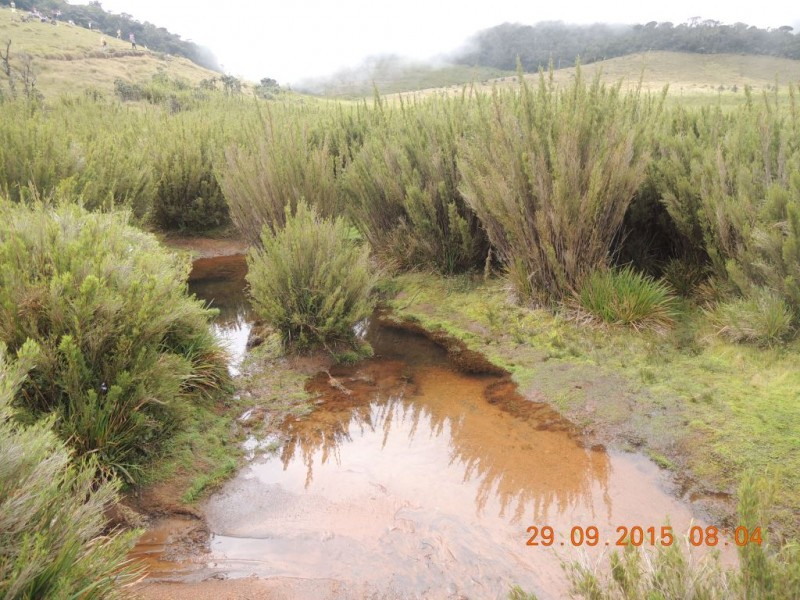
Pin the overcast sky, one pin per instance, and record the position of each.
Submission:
(297, 39)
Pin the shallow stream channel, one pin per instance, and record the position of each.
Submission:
(411, 479)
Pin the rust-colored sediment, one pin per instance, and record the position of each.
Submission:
(414, 479)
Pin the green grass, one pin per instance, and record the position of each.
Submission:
(626, 297)
(708, 407)
(70, 59)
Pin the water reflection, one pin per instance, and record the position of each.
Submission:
(518, 458)
(220, 282)
(413, 480)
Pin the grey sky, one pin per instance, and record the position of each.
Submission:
(293, 40)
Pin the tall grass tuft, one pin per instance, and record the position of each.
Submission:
(122, 346)
(763, 318)
(53, 542)
(310, 280)
(403, 189)
(626, 297)
(278, 165)
(550, 173)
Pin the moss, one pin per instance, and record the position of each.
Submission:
(725, 407)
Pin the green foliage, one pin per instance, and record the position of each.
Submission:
(267, 88)
(277, 166)
(122, 347)
(764, 572)
(87, 148)
(550, 173)
(403, 188)
(309, 280)
(763, 318)
(53, 542)
(626, 297)
(536, 46)
(731, 182)
(187, 196)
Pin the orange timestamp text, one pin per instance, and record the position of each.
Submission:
(644, 536)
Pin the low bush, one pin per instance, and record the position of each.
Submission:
(310, 280)
(53, 542)
(625, 297)
(122, 345)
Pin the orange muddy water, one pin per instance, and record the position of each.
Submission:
(412, 480)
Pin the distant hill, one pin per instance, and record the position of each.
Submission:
(67, 58)
(157, 39)
(393, 74)
(537, 45)
(693, 76)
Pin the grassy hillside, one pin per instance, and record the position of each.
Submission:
(72, 58)
(392, 75)
(695, 77)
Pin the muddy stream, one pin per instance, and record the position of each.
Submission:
(409, 480)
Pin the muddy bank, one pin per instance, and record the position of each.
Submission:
(205, 247)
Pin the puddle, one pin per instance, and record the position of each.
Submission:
(220, 282)
(411, 480)
(420, 482)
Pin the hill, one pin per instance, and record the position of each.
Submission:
(67, 58)
(393, 74)
(535, 46)
(692, 76)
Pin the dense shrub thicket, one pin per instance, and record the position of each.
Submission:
(550, 174)
(551, 184)
(402, 189)
(122, 347)
(187, 195)
(149, 159)
(310, 280)
(53, 542)
(281, 164)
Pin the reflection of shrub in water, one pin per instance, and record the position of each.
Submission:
(498, 450)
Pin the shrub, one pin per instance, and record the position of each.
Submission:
(310, 280)
(550, 174)
(52, 539)
(731, 181)
(403, 188)
(276, 167)
(187, 196)
(122, 346)
(764, 319)
(625, 297)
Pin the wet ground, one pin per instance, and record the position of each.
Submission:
(410, 480)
